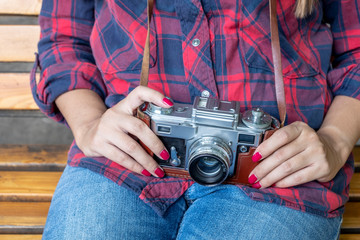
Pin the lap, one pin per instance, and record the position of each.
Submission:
(225, 212)
(87, 205)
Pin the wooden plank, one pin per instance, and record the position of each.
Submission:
(27, 7)
(16, 67)
(38, 229)
(18, 43)
(28, 186)
(355, 188)
(20, 237)
(356, 153)
(18, 20)
(33, 157)
(20, 214)
(351, 216)
(350, 237)
(32, 127)
(15, 91)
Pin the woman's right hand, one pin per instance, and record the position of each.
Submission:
(112, 134)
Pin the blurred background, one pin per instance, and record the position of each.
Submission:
(21, 122)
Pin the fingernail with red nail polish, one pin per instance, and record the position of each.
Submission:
(165, 154)
(146, 173)
(256, 185)
(252, 179)
(159, 172)
(256, 157)
(168, 102)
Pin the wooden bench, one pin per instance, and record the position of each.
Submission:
(28, 172)
(29, 176)
(19, 34)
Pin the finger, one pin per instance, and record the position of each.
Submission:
(115, 154)
(280, 138)
(140, 95)
(302, 176)
(287, 168)
(140, 130)
(276, 159)
(129, 146)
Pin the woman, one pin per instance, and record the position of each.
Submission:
(90, 57)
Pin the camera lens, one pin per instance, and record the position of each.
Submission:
(209, 161)
(208, 170)
(207, 165)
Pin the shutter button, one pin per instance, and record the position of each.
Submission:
(196, 42)
(205, 93)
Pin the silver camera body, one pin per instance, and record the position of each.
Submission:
(205, 138)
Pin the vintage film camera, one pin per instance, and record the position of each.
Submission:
(209, 141)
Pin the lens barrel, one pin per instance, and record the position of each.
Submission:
(209, 161)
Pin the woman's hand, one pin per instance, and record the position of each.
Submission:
(111, 132)
(294, 155)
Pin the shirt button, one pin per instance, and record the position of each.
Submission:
(205, 93)
(196, 42)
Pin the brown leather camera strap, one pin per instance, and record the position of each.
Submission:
(144, 76)
(276, 54)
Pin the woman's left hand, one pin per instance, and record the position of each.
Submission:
(294, 155)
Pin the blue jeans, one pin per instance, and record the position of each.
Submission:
(87, 205)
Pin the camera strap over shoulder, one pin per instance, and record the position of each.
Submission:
(276, 55)
(144, 76)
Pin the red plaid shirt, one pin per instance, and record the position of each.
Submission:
(98, 45)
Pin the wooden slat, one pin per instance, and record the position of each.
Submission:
(18, 20)
(31, 229)
(33, 157)
(20, 237)
(19, 214)
(355, 188)
(18, 42)
(351, 216)
(15, 91)
(28, 186)
(350, 237)
(23, 7)
(356, 153)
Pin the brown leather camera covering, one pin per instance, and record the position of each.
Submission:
(244, 163)
(244, 166)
